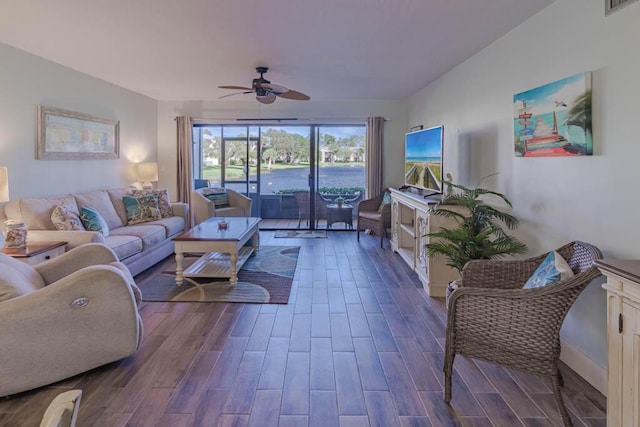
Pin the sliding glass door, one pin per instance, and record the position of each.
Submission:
(294, 174)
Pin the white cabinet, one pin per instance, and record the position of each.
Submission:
(410, 222)
(623, 341)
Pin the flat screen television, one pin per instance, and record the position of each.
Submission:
(423, 159)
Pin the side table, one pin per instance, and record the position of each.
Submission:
(342, 213)
(35, 253)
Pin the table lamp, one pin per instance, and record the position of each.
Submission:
(147, 172)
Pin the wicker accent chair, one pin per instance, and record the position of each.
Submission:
(490, 316)
(370, 218)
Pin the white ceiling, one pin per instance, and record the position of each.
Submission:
(183, 49)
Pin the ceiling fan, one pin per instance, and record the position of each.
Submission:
(265, 91)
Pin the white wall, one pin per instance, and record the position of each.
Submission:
(557, 199)
(324, 112)
(27, 81)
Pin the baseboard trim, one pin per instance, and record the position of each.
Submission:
(577, 360)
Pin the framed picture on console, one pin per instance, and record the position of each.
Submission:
(68, 135)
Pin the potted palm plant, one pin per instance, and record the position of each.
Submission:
(479, 233)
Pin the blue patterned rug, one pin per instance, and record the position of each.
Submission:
(265, 278)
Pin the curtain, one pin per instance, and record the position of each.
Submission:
(373, 166)
(185, 173)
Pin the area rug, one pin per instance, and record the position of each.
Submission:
(265, 278)
(302, 234)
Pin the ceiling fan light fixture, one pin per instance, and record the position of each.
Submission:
(268, 98)
(265, 91)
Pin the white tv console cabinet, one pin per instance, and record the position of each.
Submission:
(623, 340)
(410, 222)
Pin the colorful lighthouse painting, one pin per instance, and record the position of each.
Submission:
(554, 119)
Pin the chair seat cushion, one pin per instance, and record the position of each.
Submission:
(551, 270)
(372, 215)
(230, 211)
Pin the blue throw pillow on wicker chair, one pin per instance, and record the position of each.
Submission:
(553, 269)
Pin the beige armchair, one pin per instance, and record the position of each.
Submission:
(203, 208)
(65, 316)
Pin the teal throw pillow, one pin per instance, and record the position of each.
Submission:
(219, 198)
(553, 269)
(93, 221)
(386, 199)
(141, 209)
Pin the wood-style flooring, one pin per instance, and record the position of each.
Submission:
(359, 344)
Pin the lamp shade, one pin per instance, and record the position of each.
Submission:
(147, 172)
(4, 184)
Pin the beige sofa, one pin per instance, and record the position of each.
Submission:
(138, 246)
(65, 316)
(203, 208)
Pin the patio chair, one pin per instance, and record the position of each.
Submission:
(304, 207)
(374, 217)
(491, 317)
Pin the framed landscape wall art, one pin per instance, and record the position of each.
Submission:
(554, 119)
(67, 135)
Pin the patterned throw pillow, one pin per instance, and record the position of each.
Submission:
(553, 269)
(141, 209)
(65, 219)
(386, 199)
(93, 221)
(164, 204)
(218, 197)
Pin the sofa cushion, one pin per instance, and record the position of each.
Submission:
(124, 246)
(100, 201)
(35, 212)
(93, 221)
(116, 196)
(141, 209)
(151, 235)
(17, 278)
(164, 204)
(65, 220)
(172, 225)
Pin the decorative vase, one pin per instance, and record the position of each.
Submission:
(15, 234)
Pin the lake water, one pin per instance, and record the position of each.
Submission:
(298, 178)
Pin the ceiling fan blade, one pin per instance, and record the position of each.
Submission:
(277, 89)
(269, 98)
(236, 87)
(292, 94)
(235, 93)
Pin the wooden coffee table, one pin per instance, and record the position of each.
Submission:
(224, 249)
